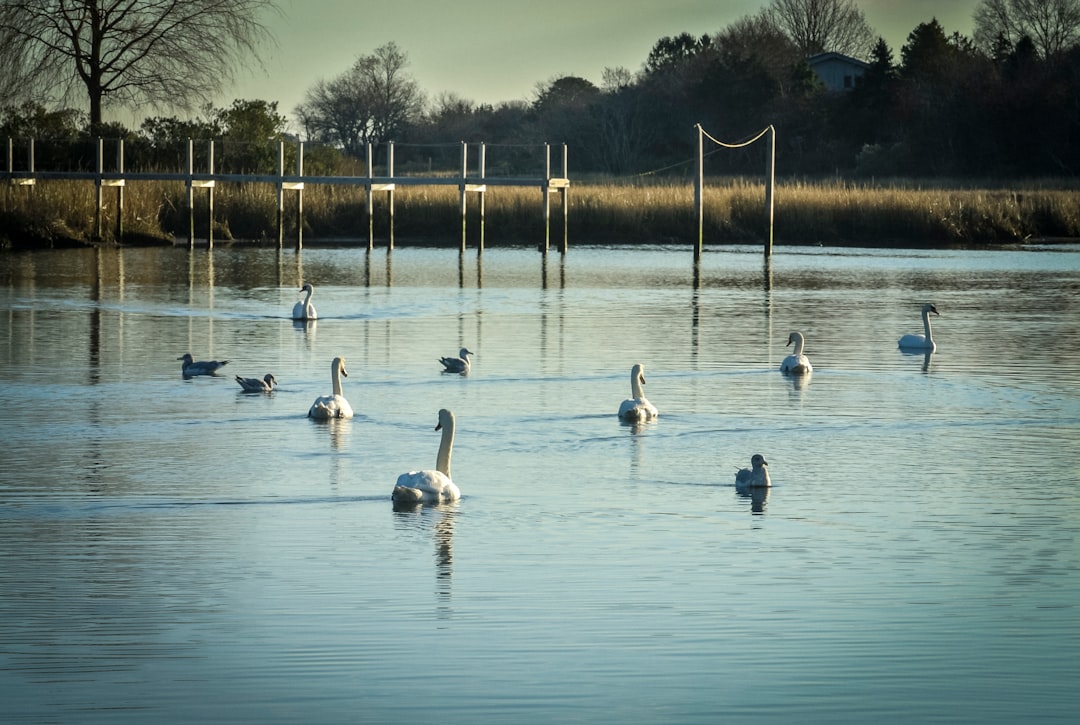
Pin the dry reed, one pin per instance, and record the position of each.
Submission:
(832, 212)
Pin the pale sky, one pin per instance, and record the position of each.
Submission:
(490, 51)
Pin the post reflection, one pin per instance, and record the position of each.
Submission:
(544, 281)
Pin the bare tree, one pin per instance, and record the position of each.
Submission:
(817, 26)
(168, 53)
(1052, 25)
(369, 103)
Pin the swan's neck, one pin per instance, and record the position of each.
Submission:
(335, 376)
(307, 297)
(446, 447)
(926, 325)
(636, 391)
(799, 342)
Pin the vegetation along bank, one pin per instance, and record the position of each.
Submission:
(61, 213)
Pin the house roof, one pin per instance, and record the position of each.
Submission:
(820, 58)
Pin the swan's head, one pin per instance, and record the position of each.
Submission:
(446, 419)
(339, 366)
(186, 357)
(307, 288)
(270, 380)
(794, 338)
(930, 308)
(638, 373)
(464, 353)
(758, 460)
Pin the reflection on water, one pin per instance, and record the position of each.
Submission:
(177, 550)
(758, 497)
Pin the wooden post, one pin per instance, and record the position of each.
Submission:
(281, 195)
(480, 194)
(563, 193)
(120, 191)
(300, 196)
(547, 198)
(210, 196)
(462, 195)
(191, 192)
(699, 195)
(97, 181)
(770, 185)
(370, 204)
(390, 191)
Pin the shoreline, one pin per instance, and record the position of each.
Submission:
(903, 214)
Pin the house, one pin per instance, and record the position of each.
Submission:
(837, 72)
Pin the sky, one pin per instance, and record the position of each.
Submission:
(491, 51)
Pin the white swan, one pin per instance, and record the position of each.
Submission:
(305, 310)
(333, 405)
(796, 363)
(431, 486)
(637, 408)
(264, 384)
(190, 367)
(755, 477)
(921, 342)
(457, 364)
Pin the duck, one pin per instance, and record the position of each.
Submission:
(305, 310)
(637, 408)
(757, 476)
(333, 405)
(431, 486)
(459, 364)
(264, 384)
(796, 363)
(189, 367)
(921, 342)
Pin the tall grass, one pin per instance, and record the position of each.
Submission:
(831, 212)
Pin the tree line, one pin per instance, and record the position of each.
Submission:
(1002, 103)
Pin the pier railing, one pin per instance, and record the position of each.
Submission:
(471, 177)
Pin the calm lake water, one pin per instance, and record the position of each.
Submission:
(176, 551)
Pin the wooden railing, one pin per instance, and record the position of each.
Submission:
(476, 182)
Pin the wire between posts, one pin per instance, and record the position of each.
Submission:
(737, 145)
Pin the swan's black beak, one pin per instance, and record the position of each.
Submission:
(438, 426)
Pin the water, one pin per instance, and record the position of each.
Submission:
(177, 551)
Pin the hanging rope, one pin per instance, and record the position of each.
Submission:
(737, 145)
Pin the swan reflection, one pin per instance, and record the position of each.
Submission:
(926, 355)
(420, 518)
(758, 497)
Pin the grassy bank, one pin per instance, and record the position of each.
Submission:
(57, 213)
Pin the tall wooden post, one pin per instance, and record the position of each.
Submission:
(547, 197)
(564, 192)
(281, 195)
(120, 190)
(462, 195)
(210, 195)
(190, 193)
(699, 195)
(370, 204)
(300, 196)
(480, 194)
(98, 181)
(390, 190)
(770, 185)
